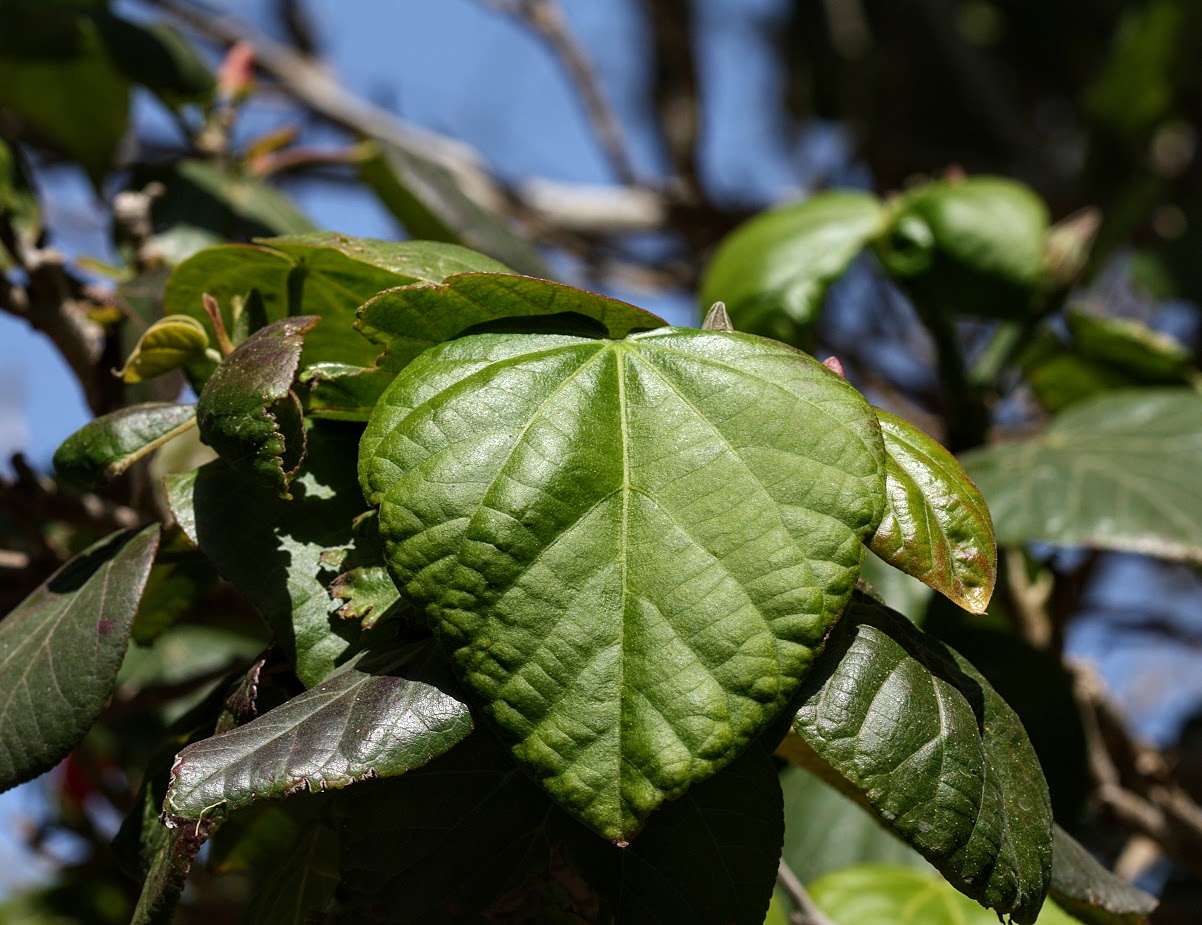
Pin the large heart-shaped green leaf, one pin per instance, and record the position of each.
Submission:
(632, 549)
(936, 527)
(381, 715)
(60, 650)
(773, 272)
(916, 734)
(1119, 472)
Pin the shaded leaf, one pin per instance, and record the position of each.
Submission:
(632, 549)
(158, 57)
(18, 199)
(170, 343)
(411, 319)
(248, 199)
(180, 577)
(302, 884)
(342, 392)
(60, 650)
(364, 582)
(773, 272)
(973, 246)
(381, 715)
(247, 411)
(1116, 472)
(878, 894)
(1089, 891)
(916, 734)
(271, 549)
(108, 445)
(936, 525)
(430, 202)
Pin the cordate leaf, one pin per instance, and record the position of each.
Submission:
(1089, 891)
(411, 319)
(60, 650)
(1119, 471)
(381, 715)
(631, 549)
(247, 411)
(879, 894)
(271, 549)
(773, 273)
(916, 734)
(170, 343)
(975, 245)
(105, 447)
(936, 525)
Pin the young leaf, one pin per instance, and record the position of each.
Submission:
(1118, 472)
(411, 319)
(879, 894)
(774, 272)
(247, 410)
(632, 549)
(271, 549)
(936, 525)
(170, 343)
(381, 715)
(913, 732)
(61, 648)
(1089, 891)
(108, 445)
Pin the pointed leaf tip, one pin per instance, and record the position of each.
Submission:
(716, 319)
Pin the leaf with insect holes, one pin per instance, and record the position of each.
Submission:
(248, 412)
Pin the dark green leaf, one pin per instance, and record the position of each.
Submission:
(250, 199)
(157, 56)
(247, 411)
(18, 199)
(381, 715)
(411, 319)
(429, 201)
(302, 884)
(878, 894)
(917, 735)
(632, 549)
(271, 549)
(170, 343)
(973, 246)
(61, 648)
(1119, 472)
(936, 525)
(104, 448)
(341, 392)
(773, 272)
(180, 577)
(75, 98)
(1089, 891)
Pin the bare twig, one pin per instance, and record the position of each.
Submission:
(804, 912)
(677, 90)
(545, 19)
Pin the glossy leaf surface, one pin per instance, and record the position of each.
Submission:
(271, 549)
(106, 446)
(1089, 891)
(381, 715)
(936, 525)
(247, 411)
(1117, 472)
(912, 731)
(774, 272)
(631, 549)
(409, 320)
(61, 648)
(170, 343)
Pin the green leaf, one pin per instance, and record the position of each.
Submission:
(773, 272)
(974, 246)
(1115, 472)
(364, 582)
(916, 734)
(72, 96)
(248, 412)
(303, 884)
(936, 525)
(631, 549)
(271, 549)
(170, 343)
(878, 894)
(60, 650)
(341, 392)
(1131, 346)
(105, 447)
(18, 199)
(1089, 891)
(158, 57)
(429, 201)
(181, 576)
(408, 320)
(248, 199)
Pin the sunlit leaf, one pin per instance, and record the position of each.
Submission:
(108, 445)
(170, 343)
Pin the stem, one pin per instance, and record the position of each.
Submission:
(967, 416)
(805, 912)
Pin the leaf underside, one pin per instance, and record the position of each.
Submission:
(631, 549)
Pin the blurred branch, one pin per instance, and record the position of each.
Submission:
(545, 19)
(315, 87)
(804, 912)
(677, 90)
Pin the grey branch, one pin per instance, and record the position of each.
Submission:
(804, 912)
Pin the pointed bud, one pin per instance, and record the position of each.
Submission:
(716, 319)
(832, 362)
